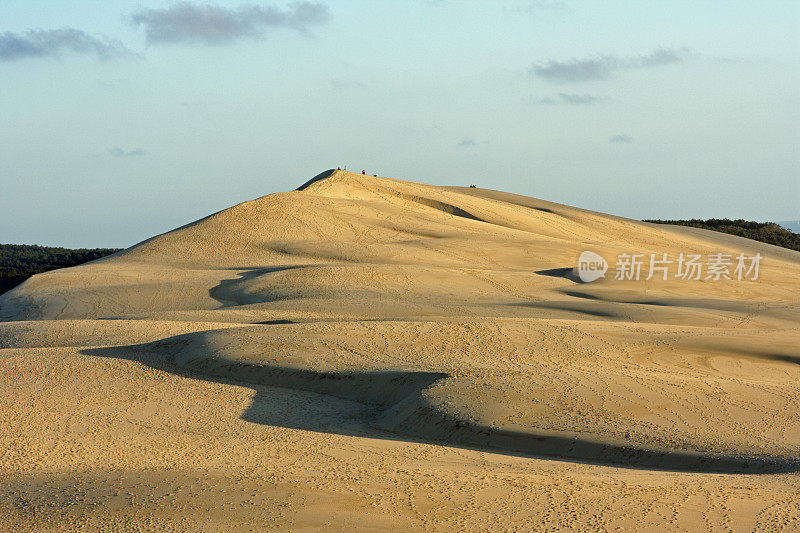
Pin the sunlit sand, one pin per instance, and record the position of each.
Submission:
(375, 353)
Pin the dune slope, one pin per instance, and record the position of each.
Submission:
(443, 320)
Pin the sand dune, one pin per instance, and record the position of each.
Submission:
(377, 353)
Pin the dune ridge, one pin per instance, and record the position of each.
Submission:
(442, 317)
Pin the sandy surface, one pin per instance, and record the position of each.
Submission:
(383, 354)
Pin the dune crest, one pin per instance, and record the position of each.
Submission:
(439, 316)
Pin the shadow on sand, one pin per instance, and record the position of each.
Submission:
(388, 404)
(565, 272)
(228, 292)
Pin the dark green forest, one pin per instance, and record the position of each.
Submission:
(18, 262)
(768, 232)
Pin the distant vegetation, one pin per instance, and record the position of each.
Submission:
(18, 262)
(768, 232)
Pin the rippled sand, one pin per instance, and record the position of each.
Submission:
(375, 353)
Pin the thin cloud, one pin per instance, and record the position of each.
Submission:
(51, 43)
(621, 138)
(544, 100)
(119, 152)
(579, 99)
(569, 99)
(207, 24)
(603, 67)
(466, 142)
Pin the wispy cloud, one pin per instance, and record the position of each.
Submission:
(119, 152)
(50, 43)
(569, 99)
(602, 67)
(579, 99)
(544, 100)
(208, 24)
(466, 142)
(621, 138)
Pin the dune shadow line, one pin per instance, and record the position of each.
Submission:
(388, 405)
(227, 295)
(564, 272)
(569, 307)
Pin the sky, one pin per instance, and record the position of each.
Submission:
(120, 120)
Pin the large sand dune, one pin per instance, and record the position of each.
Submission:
(380, 353)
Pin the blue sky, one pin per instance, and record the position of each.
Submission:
(120, 120)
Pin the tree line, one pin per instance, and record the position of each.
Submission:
(18, 262)
(768, 232)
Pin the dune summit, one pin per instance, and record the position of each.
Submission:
(377, 353)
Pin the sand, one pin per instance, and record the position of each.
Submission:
(372, 353)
